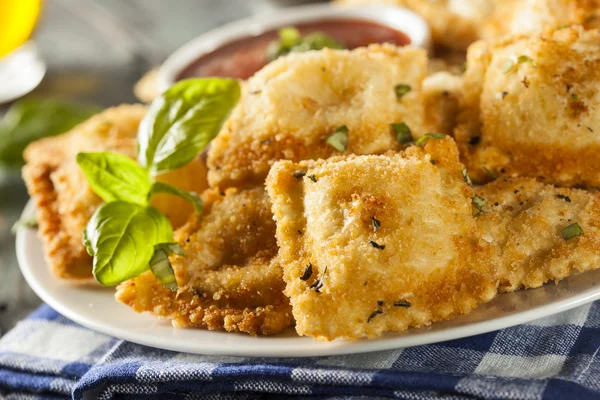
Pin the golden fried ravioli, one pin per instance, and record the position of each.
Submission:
(380, 242)
(530, 108)
(456, 24)
(64, 200)
(525, 220)
(290, 108)
(228, 278)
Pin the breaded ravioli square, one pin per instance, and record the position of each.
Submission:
(380, 242)
(524, 222)
(291, 106)
(530, 108)
(65, 202)
(229, 278)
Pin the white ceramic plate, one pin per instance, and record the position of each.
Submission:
(95, 308)
(398, 18)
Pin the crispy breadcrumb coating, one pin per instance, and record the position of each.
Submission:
(523, 220)
(291, 106)
(64, 200)
(379, 243)
(229, 278)
(529, 108)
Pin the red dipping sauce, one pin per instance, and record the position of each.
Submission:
(242, 58)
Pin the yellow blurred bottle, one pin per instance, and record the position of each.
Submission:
(17, 21)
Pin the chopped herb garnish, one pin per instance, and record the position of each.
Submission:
(403, 133)
(490, 173)
(307, 272)
(299, 173)
(376, 224)
(312, 178)
(339, 139)
(30, 222)
(479, 203)
(374, 314)
(433, 162)
(291, 41)
(563, 197)
(402, 303)
(571, 231)
(319, 282)
(574, 96)
(466, 177)
(379, 303)
(376, 245)
(425, 138)
(512, 65)
(401, 90)
(475, 140)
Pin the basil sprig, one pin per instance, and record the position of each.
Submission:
(182, 121)
(114, 176)
(121, 237)
(126, 236)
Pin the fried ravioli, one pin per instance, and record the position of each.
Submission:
(64, 200)
(379, 243)
(229, 278)
(291, 106)
(523, 220)
(529, 108)
(455, 24)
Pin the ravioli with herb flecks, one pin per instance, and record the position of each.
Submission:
(539, 232)
(379, 243)
(228, 278)
(316, 105)
(530, 108)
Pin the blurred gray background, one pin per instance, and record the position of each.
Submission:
(95, 51)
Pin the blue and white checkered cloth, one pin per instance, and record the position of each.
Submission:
(49, 357)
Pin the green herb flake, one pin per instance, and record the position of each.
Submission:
(425, 138)
(377, 245)
(376, 224)
(512, 65)
(466, 177)
(403, 133)
(339, 139)
(574, 96)
(490, 173)
(307, 272)
(312, 178)
(403, 303)
(291, 41)
(299, 173)
(478, 202)
(401, 90)
(571, 231)
(319, 282)
(374, 314)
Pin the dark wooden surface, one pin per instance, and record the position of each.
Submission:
(95, 51)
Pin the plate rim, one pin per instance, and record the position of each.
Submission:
(333, 348)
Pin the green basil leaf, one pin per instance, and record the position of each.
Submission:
(114, 176)
(29, 120)
(183, 120)
(121, 237)
(160, 187)
(161, 267)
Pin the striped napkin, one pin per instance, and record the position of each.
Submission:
(49, 357)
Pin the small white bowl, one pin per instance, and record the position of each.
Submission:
(397, 18)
